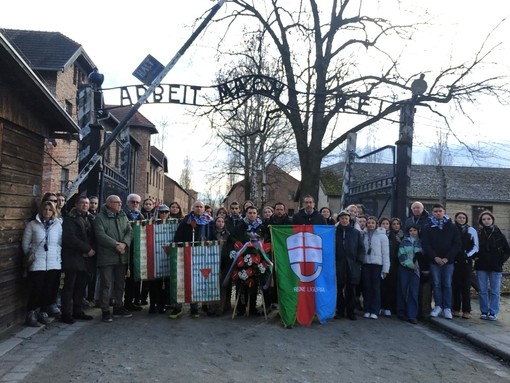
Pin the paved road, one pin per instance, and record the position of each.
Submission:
(153, 348)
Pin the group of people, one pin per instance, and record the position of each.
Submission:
(398, 268)
(382, 266)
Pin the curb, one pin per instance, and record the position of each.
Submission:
(492, 346)
(15, 340)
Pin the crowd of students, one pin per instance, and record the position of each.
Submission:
(384, 266)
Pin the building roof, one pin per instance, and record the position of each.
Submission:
(138, 120)
(463, 183)
(45, 51)
(20, 78)
(159, 157)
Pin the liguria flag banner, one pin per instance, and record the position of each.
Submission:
(194, 273)
(150, 260)
(305, 272)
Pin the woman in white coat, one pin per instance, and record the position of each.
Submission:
(376, 266)
(43, 237)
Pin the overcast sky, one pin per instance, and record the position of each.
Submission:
(117, 35)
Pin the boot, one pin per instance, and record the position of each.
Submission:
(43, 318)
(31, 319)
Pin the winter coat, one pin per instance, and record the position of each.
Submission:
(46, 242)
(469, 244)
(349, 254)
(420, 221)
(377, 249)
(493, 250)
(78, 239)
(408, 253)
(442, 243)
(302, 218)
(109, 229)
(204, 232)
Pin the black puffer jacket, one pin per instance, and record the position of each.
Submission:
(349, 252)
(493, 251)
(77, 240)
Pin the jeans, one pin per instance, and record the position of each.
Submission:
(407, 293)
(442, 284)
(491, 279)
(371, 288)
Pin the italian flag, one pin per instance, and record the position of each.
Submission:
(305, 272)
(194, 273)
(150, 260)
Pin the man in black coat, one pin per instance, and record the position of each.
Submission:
(349, 254)
(308, 215)
(78, 259)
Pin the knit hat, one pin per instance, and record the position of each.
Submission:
(344, 212)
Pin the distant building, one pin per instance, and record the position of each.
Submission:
(470, 189)
(279, 187)
(175, 192)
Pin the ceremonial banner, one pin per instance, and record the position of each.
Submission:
(150, 260)
(305, 272)
(195, 273)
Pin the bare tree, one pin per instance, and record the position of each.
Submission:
(186, 174)
(254, 132)
(322, 49)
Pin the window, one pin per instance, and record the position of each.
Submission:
(64, 179)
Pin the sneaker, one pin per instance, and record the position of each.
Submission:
(82, 316)
(366, 315)
(448, 314)
(107, 317)
(373, 316)
(483, 316)
(456, 313)
(466, 315)
(492, 317)
(176, 313)
(121, 312)
(31, 319)
(435, 313)
(387, 313)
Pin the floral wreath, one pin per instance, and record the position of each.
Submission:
(250, 262)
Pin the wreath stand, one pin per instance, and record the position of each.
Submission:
(247, 312)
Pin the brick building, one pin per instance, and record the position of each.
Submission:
(30, 116)
(175, 192)
(63, 66)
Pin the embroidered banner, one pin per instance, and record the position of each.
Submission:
(305, 272)
(195, 273)
(150, 260)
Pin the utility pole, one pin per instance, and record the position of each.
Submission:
(350, 155)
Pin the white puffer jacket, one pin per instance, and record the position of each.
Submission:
(36, 236)
(380, 253)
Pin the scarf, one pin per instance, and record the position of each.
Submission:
(204, 219)
(438, 223)
(252, 226)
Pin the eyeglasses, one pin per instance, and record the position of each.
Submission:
(137, 202)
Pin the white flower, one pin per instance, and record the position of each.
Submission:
(243, 275)
(262, 268)
(233, 254)
(248, 260)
